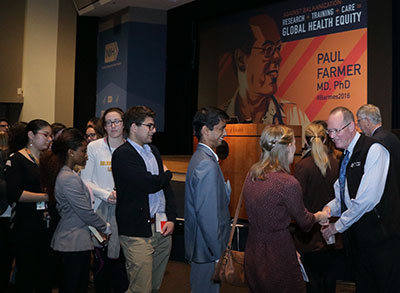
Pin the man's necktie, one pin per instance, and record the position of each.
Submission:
(342, 179)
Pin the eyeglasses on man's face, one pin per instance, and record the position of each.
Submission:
(111, 122)
(151, 126)
(269, 49)
(335, 130)
(4, 125)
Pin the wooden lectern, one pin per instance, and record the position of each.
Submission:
(244, 151)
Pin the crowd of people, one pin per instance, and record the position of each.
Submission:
(63, 210)
(351, 202)
(69, 194)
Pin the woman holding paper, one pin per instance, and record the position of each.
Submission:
(72, 236)
(273, 198)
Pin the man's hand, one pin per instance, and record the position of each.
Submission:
(328, 230)
(325, 221)
(327, 210)
(112, 198)
(322, 217)
(168, 228)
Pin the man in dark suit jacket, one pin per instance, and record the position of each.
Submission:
(206, 202)
(370, 121)
(144, 201)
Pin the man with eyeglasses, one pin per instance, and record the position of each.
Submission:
(367, 204)
(146, 209)
(257, 61)
(4, 125)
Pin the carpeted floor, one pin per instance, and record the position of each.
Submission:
(177, 276)
(177, 280)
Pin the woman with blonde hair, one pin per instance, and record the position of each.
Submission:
(273, 198)
(317, 171)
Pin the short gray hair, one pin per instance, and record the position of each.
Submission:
(370, 111)
(347, 114)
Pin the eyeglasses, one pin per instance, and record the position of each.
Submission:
(46, 135)
(269, 49)
(111, 122)
(91, 135)
(151, 126)
(336, 131)
(6, 125)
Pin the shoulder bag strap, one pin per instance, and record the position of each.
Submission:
(239, 204)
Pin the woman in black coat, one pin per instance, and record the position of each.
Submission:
(317, 171)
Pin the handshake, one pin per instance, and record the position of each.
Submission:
(328, 230)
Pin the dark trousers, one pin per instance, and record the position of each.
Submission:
(34, 264)
(322, 268)
(109, 274)
(76, 271)
(6, 253)
(377, 267)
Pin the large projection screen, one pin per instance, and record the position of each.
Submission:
(291, 62)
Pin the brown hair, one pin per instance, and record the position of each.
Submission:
(137, 115)
(103, 119)
(274, 143)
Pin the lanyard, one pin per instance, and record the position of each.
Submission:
(108, 144)
(33, 158)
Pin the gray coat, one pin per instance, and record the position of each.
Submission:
(207, 217)
(73, 205)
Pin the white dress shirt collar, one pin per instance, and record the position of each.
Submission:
(215, 155)
(351, 146)
(140, 149)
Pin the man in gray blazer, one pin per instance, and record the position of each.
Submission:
(206, 201)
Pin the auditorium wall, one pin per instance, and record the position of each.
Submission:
(39, 43)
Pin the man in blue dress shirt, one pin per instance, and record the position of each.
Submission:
(367, 204)
(144, 195)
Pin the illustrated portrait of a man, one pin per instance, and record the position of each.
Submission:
(256, 61)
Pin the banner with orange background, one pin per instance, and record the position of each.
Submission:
(324, 72)
(319, 63)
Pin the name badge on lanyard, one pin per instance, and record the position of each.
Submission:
(40, 206)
